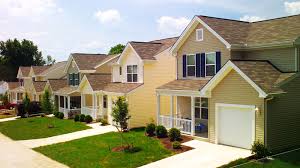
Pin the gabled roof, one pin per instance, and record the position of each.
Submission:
(13, 85)
(110, 59)
(57, 84)
(24, 70)
(184, 84)
(88, 61)
(39, 85)
(121, 87)
(37, 70)
(53, 67)
(98, 81)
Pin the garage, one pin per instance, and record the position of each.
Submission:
(235, 125)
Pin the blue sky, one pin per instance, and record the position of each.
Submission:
(61, 27)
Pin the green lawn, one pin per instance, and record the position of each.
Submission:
(94, 151)
(290, 160)
(37, 127)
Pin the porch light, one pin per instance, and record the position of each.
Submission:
(257, 110)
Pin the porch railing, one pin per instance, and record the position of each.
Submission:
(184, 125)
(92, 111)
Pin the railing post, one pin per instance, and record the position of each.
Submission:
(193, 116)
(171, 111)
(158, 108)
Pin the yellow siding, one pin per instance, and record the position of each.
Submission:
(233, 89)
(210, 43)
(88, 100)
(142, 101)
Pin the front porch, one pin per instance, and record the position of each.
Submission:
(67, 104)
(94, 104)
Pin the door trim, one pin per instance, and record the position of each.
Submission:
(217, 107)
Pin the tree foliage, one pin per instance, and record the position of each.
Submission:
(117, 49)
(120, 112)
(26, 102)
(50, 60)
(47, 105)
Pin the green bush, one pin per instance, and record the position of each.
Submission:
(60, 115)
(161, 131)
(259, 150)
(76, 118)
(176, 145)
(150, 129)
(88, 119)
(174, 134)
(103, 121)
(81, 117)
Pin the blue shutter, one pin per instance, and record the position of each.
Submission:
(202, 65)
(184, 66)
(218, 61)
(198, 65)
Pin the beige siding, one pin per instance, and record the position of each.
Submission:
(142, 101)
(233, 89)
(210, 43)
(283, 58)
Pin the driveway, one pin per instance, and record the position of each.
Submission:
(205, 155)
(15, 155)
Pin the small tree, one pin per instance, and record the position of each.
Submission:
(47, 105)
(4, 99)
(26, 102)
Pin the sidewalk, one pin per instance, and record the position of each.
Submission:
(95, 130)
(15, 155)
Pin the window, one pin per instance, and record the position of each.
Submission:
(201, 108)
(132, 75)
(199, 35)
(70, 79)
(74, 79)
(191, 65)
(210, 64)
(120, 70)
(105, 101)
(21, 82)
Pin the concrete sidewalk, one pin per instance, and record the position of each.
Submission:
(205, 155)
(9, 119)
(15, 155)
(95, 130)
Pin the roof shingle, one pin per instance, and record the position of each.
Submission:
(88, 61)
(56, 84)
(39, 86)
(185, 84)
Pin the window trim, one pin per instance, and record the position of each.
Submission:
(187, 74)
(197, 34)
(215, 64)
(137, 78)
(200, 107)
(120, 70)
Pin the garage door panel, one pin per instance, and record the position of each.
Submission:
(235, 126)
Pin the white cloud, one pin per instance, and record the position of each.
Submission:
(172, 26)
(108, 16)
(94, 45)
(251, 18)
(292, 7)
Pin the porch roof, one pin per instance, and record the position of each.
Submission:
(19, 89)
(66, 90)
(185, 84)
(121, 87)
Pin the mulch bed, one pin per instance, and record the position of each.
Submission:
(168, 144)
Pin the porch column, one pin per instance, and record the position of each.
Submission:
(58, 102)
(193, 115)
(81, 99)
(65, 104)
(101, 105)
(93, 106)
(69, 102)
(158, 108)
(171, 111)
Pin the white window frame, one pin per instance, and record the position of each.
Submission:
(137, 76)
(200, 107)
(215, 64)
(189, 55)
(197, 34)
(76, 80)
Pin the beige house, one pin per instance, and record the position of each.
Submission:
(15, 92)
(236, 82)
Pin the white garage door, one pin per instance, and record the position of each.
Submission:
(235, 125)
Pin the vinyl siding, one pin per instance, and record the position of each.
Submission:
(210, 43)
(142, 101)
(233, 89)
(283, 116)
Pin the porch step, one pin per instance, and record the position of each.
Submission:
(200, 138)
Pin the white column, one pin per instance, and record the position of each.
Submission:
(81, 99)
(58, 102)
(65, 104)
(171, 111)
(101, 105)
(69, 102)
(93, 106)
(193, 115)
(158, 108)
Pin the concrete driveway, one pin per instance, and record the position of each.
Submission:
(15, 155)
(205, 155)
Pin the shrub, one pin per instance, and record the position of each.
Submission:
(60, 115)
(21, 110)
(259, 150)
(56, 114)
(150, 129)
(34, 107)
(161, 131)
(174, 134)
(103, 121)
(46, 103)
(81, 117)
(76, 118)
(73, 113)
(88, 119)
(176, 145)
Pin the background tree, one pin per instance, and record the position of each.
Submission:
(117, 49)
(50, 60)
(15, 53)
(26, 102)
(47, 106)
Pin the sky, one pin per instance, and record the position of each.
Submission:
(61, 27)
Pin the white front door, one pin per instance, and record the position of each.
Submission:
(235, 125)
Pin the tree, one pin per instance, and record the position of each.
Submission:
(26, 102)
(4, 98)
(47, 105)
(120, 113)
(15, 53)
(117, 49)
(50, 60)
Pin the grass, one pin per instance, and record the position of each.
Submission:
(289, 160)
(37, 127)
(95, 151)
(6, 116)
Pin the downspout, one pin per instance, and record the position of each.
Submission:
(265, 118)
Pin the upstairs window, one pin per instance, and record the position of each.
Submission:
(199, 35)
(120, 70)
(210, 64)
(132, 75)
(74, 79)
(191, 65)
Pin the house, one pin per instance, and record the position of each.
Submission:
(237, 82)
(3, 87)
(140, 68)
(79, 64)
(15, 92)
